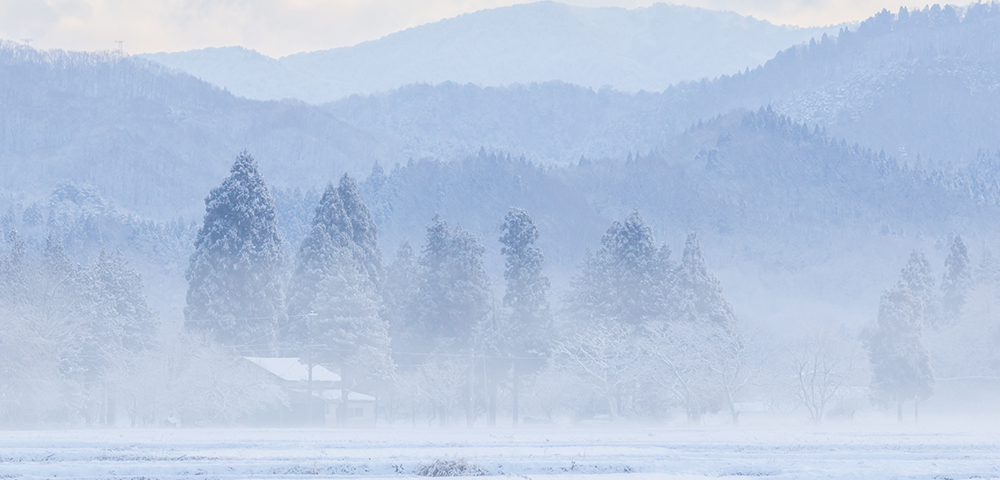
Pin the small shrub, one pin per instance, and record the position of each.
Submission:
(451, 468)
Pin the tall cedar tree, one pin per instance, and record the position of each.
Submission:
(235, 274)
(334, 299)
(901, 368)
(401, 288)
(525, 335)
(119, 322)
(628, 280)
(956, 282)
(453, 295)
(699, 291)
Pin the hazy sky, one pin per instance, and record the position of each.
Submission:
(281, 27)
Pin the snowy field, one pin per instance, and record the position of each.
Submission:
(828, 452)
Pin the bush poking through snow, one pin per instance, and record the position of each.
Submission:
(451, 468)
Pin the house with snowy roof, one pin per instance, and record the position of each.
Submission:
(315, 397)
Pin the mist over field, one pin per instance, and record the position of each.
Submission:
(539, 240)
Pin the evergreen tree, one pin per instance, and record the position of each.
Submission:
(453, 295)
(56, 299)
(527, 286)
(628, 280)
(402, 285)
(452, 304)
(347, 330)
(118, 326)
(901, 368)
(700, 293)
(919, 280)
(235, 273)
(15, 271)
(957, 281)
(364, 234)
(334, 300)
(120, 320)
(317, 258)
(988, 272)
(527, 332)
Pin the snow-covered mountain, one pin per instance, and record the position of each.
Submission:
(789, 214)
(913, 83)
(765, 191)
(154, 141)
(628, 49)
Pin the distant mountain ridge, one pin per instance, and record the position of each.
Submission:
(154, 141)
(789, 214)
(646, 48)
(917, 83)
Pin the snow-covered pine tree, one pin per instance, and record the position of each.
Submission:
(453, 294)
(919, 279)
(628, 280)
(119, 325)
(364, 234)
(120, 320)
(988, 272)
(526, 333)
(956, 283)
(453, 302)
(468, 295)
(14, 276)
(316, 258)
(527, 286)
(347, 330)
(699, 292)
(901, 368)
(334, 301)
(401, 288)
(341, 226)
(235, 273)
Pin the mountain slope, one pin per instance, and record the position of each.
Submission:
(154, 141)
(917, 83)
(788, 216)
(639, 49)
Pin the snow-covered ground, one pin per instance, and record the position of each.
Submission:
(848, 452)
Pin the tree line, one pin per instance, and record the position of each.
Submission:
(638, 334)
(640, 331)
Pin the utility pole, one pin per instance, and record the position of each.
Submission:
(121, 47)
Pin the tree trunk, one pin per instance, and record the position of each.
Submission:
(515, 392)
(344, 397)
(470, 413)
(110, 419)
(694, 417)
(102, 410)
(693, 412)
(492, 401)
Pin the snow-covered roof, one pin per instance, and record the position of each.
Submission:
(334, 396)
(292, 370)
